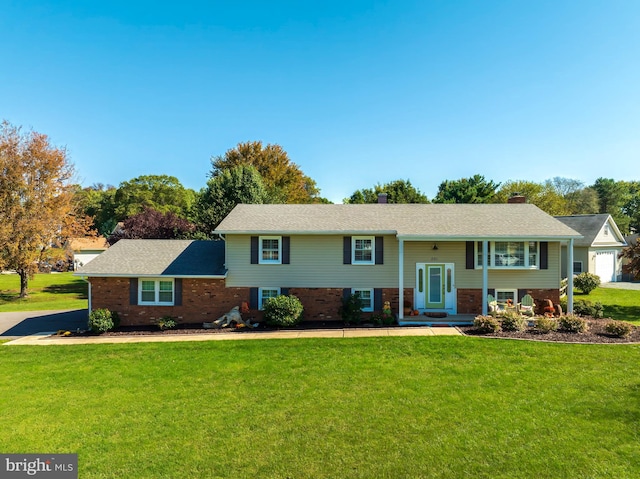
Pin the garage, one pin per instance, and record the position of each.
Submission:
(606, 266)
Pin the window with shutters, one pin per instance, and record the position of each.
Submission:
(156, 292)
(270, 250)
(363, 250)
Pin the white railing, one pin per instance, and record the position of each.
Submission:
(563, 287)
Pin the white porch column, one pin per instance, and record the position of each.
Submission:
(485, 276)
(401, 279)
(570, 276)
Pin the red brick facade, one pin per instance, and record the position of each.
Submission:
(470, 300)
(205, 300)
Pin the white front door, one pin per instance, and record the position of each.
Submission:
(435, 286)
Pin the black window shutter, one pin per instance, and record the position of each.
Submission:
(346, 292)
(492, 292)
(284, 291)
(544, 255)
(521, 294)
(133, 291)
(177, 285)
(377, 299)
(379, 250)
(346, 254)
(470, 255)
(286, 246)
(253, 298)
(254, 250)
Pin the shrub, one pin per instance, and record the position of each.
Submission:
(619, 329)
(573, 324)
(166, 322)
(283, 310)
(512, 321)
(103, 320)
(546, 325)
(487, 324)
(586, 282)
(587, 308)
(351, 309)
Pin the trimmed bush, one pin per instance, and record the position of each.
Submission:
(283, 311)
(573, 324)
(487, 324)
(512, 321)
(586, 282)
(587, 308)
(103, 320)
(546, 325)
(351, 309)
(619, 329)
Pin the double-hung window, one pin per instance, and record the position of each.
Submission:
(270, 250)
(366, 298)
(265, 294)
(156, 292)
(363, 250)
(510, 254)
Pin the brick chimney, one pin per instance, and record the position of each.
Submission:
(517, 198)
(382, 198)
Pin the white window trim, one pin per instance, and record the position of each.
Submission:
(371, 293)
(491, 259)
(260, 250)
(503, 290)
(260, 290)
(373, 249)
(157, 301)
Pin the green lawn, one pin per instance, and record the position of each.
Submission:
(622, 304)
(46, 292)
(443, 407)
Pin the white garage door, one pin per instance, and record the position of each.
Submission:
(606, 266)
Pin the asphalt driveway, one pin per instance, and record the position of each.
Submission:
(26, 323)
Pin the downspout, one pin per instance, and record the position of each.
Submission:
(485, 277)
(401, 280)
(84, 278)
(570, 276)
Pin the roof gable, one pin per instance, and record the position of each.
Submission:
(155, 257)
(592, 227)
(459, 221)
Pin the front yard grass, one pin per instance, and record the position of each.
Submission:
(622, 304)
(441, 407)
(46, 292)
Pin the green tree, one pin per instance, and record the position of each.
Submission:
(543, 195)
(612, 196)
(475, 189)
(632, 254)
(161, 192)
(240, 184)
(283, 179)
(98, 202)
(399, 191)
(36, 196)
(631, 207)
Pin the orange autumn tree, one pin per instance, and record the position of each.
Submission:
(36, 200)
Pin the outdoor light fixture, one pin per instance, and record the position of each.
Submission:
(435, 247)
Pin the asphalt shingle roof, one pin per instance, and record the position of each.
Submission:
(157, 257)
(587, 225)
(404, 220)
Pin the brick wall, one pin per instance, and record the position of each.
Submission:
(203, 300)
(470, 300)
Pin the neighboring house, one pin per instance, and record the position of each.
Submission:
(429, 257)
(86, 249)
(598, 250)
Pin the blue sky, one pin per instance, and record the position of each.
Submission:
(357, 92)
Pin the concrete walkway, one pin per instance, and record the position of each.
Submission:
(45, 338)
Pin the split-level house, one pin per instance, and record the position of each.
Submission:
(444, 258)
(599, 248)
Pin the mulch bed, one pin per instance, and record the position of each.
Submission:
(596, 334)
